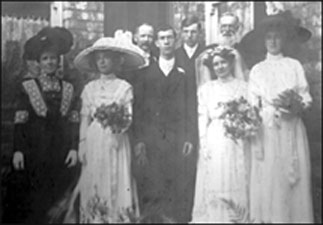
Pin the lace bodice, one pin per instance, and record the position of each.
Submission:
(105, 91)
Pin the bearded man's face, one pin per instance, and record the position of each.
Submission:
(228, 26)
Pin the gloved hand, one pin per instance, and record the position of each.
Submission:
(18, 161)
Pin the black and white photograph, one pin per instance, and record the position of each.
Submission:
(161, 112)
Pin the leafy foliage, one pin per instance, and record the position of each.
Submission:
(238, 213)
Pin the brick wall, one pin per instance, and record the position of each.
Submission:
(85, 21)
(183, 9)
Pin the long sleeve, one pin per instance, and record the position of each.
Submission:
(191, 112)
(85, 117)
(254, 92)
(127, 101)
(302, 85)
(74, 123)
(203, 117)
(138, 110)
(21, 119)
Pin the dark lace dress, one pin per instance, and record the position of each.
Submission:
(46, 127)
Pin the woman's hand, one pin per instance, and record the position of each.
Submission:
(187, 148)
(140, 154)
(71, 158)
(18, 161)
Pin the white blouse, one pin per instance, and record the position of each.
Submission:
(106, 90)
(274, 75)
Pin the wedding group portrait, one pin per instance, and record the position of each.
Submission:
(161, 112)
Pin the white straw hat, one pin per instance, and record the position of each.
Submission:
(121, 42)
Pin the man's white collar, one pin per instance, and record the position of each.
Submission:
(190, 50)
(166, 65)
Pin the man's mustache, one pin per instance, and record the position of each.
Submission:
(147, 44)
(228, 33)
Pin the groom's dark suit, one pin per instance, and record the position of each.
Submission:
(162, 122)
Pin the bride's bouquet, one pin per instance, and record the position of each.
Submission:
(240, 119)
(114, 116)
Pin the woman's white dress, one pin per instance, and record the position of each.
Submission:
(222, 169)
(106, 175)
(280, 183)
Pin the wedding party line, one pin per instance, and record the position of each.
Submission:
(193, 134)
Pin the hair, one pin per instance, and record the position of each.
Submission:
(192, 19)
(143, 24)
(137, 31)
(165, 27)
(232, 15)
(226, 53)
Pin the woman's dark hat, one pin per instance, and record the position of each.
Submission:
(287, 22)
(58, 38)
(252, 44)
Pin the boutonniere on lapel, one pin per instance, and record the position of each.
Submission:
(181, 70)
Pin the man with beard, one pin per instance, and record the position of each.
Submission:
(163, 132)
(185, 56)
(229, 26)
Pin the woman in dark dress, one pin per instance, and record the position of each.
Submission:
(45, 126)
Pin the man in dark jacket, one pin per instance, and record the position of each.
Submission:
(163, 131)
(185, 57)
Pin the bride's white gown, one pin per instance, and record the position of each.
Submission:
(222, 168)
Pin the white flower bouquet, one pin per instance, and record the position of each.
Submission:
(240, 119)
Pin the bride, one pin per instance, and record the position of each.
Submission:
(222, 171)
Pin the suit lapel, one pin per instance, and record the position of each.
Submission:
(175, 74)
(184, 54)
(197, 52)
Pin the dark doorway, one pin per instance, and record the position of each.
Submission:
(128, 15)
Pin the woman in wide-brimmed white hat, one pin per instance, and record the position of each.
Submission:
(107, 190)
(280, 188)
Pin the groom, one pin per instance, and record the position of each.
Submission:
(162, 130)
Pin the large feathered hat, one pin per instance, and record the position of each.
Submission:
(121, 42)
(58, 39)
(252, 44)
